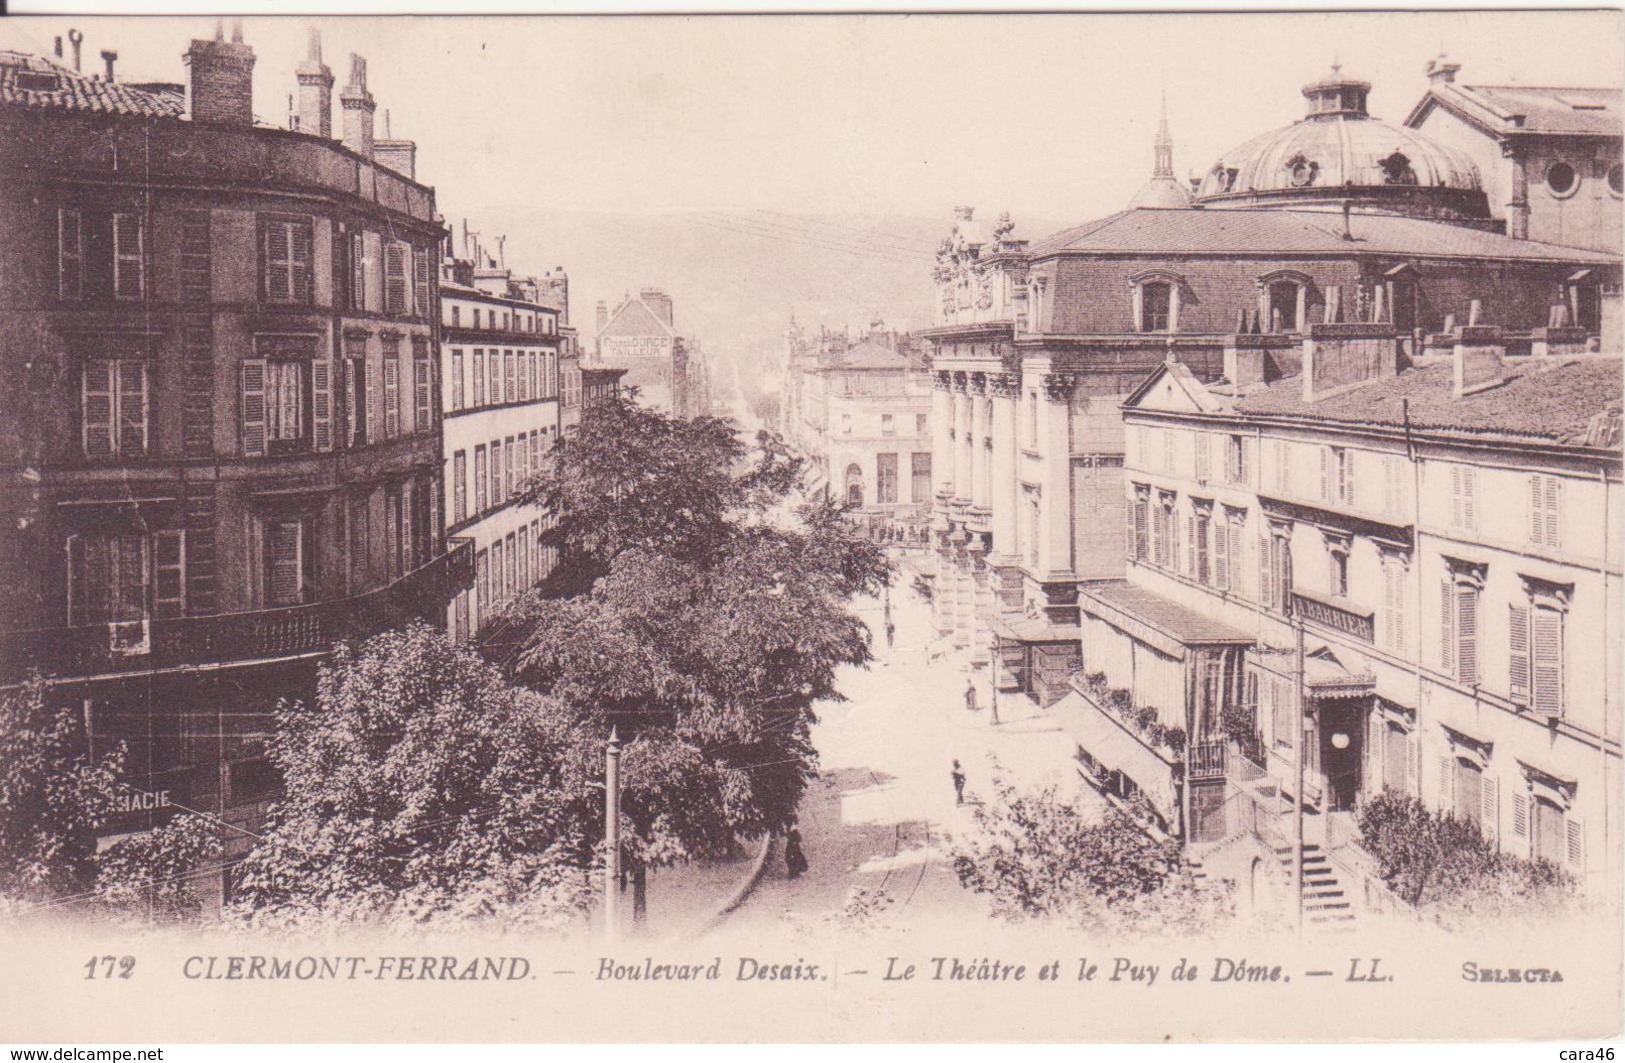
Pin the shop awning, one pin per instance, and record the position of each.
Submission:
(1157, 621)
(1111, 743)
(1030, 629)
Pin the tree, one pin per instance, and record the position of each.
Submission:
(54, 797)
(1440, 862)
(1037, 856)
(701, 611)
(422, 787)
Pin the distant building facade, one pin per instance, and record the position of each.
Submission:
(860, 410)
(504, 343)
(668, 370)
(222, 438)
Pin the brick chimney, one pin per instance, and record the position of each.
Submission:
(659, 302)
(603, 316)
(399, 155)
(358, 107)
(1441, 71)
(315, 90)
(221, 79)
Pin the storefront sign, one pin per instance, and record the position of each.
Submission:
(1315, 611)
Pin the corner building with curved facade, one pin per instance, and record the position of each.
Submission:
(222, 429)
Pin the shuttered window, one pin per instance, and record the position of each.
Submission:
(70, 255)
(455, 385)
(129, 257)
(1142, 516)
(512, 390)
(253, 407)
(395, 286)
(1447, 627)
(285, 260)
(1393, 486)
(1489, 810)
(321, 404)
(1545, 511)
(1283, 466)
(355, 397)
(284, 545)
(113, 408)
(479, 377)
(1222, 536)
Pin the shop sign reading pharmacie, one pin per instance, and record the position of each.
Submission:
(1323, 613)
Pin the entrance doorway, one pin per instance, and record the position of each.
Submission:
(1342, 750)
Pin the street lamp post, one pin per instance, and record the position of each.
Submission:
(612, 837)
(1301, 734)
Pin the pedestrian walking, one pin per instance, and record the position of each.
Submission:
(795, 861)
(959, 784)
(970, 695)
(891, 633)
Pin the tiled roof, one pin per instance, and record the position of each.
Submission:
(30, 81)
(1213, 231)
(871, 355)
(1184, 625)
(1574, 401)
(1550, 110)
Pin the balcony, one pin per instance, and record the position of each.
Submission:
(1206, 760)
(264, 634)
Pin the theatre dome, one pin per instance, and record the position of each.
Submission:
(1339, 154)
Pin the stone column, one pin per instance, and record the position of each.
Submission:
(1002, 489)
(942, 413)
(961, 440)
(979, 492)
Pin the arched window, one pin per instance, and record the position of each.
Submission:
(854, 484)
(1156, 296)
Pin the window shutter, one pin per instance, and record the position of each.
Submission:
(536, 451)
(480, 495)
(1131, 511)
(132, 407)
(1469, 484)
(278, 268)
(1393, 486)
(394, 279)
(97, 409)
(1520, 817)
(1394, 573)
(1221, 553)
(1325, 474)
(1190, 544)
(1537, 511)
(129, 263)
(1574, 848)
(1457, 509)
(1447, 778)
(1413, 765)
(1489, 820)
(253, 377)
(1467, 634)
(423, 384)
(1518, 652)
(169, 563)
(284, 562)
(1140, 530)
(420, 265)
(459, 486)
(70, 272)
(1447, 633)
(1266, 573)
(321, 403)
(392, 536)
(1350, 458)
(1547, 654)
(1554, 511)
(358, 272)
(299, 236)
(392, 396)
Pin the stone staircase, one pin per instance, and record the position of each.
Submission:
(1327, 907)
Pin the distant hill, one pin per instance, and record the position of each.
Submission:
(734, 277)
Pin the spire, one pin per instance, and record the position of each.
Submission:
(1164, 144)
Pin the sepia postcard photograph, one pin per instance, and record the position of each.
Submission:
(833, 527)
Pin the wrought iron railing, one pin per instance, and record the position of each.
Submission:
(262, 634)
(1206, 760)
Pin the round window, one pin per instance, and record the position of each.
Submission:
(1562, 179)
(1616, 180)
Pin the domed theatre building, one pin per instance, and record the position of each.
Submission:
(1336, 253)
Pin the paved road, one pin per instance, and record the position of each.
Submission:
(881, 816)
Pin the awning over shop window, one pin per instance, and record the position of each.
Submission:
(1108, 742)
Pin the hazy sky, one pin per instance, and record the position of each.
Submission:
(1049, 115)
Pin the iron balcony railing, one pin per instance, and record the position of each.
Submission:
(262, 634)
(1206, 760)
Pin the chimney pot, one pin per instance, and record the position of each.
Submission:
(358, 107)
(77, 39)
(109, 57)
(221, 81)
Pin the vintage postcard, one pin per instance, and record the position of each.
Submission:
(811, 528)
